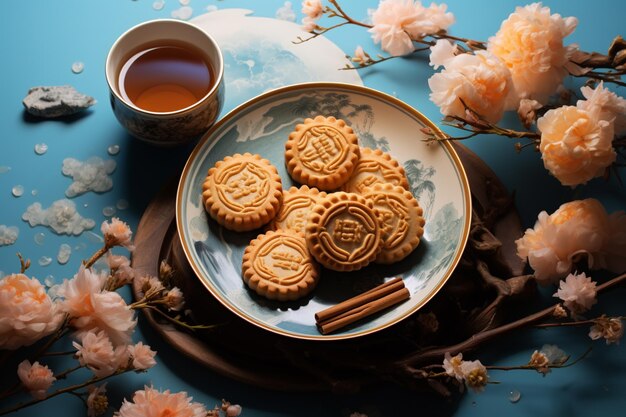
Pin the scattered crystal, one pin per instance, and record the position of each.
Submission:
(122, 204)
(94, 238)
(514, 396)
(40, 238)
(61, 217)
(90, 175)
(108, 211)
(158, 5)
(34, 191)
(53, 102)
(41, 148)
(113, 149)
(80, 246)
(8, 234)
(49, 281)
(78, 67)
(65, 251)
(17, 191)
(4, 169)
(45, 261)
(286, 13)
(184, 13)
(85, 205)
(184, 2)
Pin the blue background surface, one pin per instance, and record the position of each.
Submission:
(40, 41)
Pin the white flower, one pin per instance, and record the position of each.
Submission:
(360, 57)
(530, 42)
(479, 80)
(150, 402)
(97, 401)
(174, 299)
(441, 52)
(396, 22)
(313, 9)
(578, 229)
(607, 104)
(475, 373)
(452, 366)
(578, 293)
(98, 354)
(142, 356)
(117, 233)
(308, 24)
(89, 307)
(575, 146)
(36, 378)
(26, 312)
(609, 328)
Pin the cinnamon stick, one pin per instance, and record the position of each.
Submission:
(361, 306)
(351, 303)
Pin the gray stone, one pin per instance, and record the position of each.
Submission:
(51, 102)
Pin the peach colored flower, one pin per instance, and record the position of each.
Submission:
(610, 329)
(480, 80)
(313, 9)
(142, 356)
(150, 286)
(396, 22)
(121, 270)
(578, 293)
(98, 354)
(578, 229)
(452, 366)
(97, 401)
(441, 52)
(174, 299)
(89, 307)
(575, 146)
(152, 403)
(607, 104)
(540, 362)
(233, 410)
(117, 233)
(36, 378)
(26, 312)
(360, 56)
(527, 111)
(308, 24)
(530, 42)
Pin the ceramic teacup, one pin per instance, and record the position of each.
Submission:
(171, 127)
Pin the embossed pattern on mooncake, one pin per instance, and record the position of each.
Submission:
(375, 167)
(242, 192)
(403, 224)
(277, 265)
(322, 153)
(344, 232)
(297, 204)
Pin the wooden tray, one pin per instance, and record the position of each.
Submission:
(241, 351)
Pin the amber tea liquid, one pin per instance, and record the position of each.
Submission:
(165, 78)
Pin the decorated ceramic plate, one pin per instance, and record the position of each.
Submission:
(261, 126)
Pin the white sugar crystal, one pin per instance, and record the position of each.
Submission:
(41, 148)
(184, 13)
(8, 234)
(49, 281)
(17, 191)
(34, 191)
(158, 5)
(45, 261)
(108, 211)
(65, 251)
(78, 67)
(90, 175)
(184, 2)
(40, 238)
(61, 217)
(113, 149)
(286, 13)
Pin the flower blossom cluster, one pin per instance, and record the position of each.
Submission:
(472, 373)
(578, 230)
(396, 23)
(610, 329)
(578, 293)
(151, 402)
